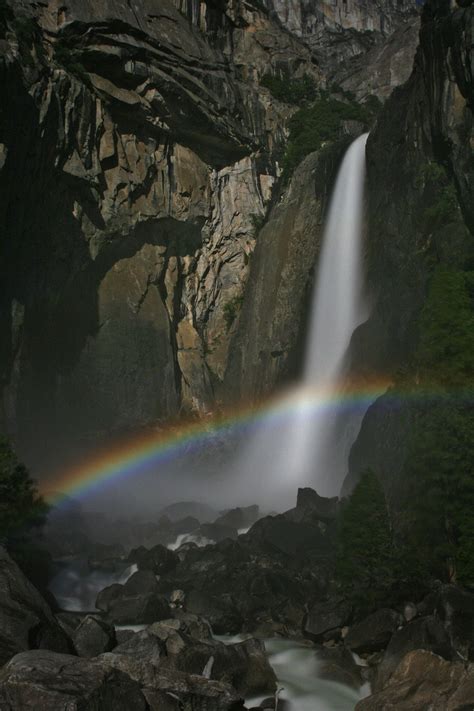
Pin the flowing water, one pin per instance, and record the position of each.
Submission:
(297, 671)
(298, 451)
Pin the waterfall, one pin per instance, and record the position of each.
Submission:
(338, 307)
(298, 452)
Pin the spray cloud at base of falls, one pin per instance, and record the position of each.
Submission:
(298, 453)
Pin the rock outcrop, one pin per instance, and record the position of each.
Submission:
(26, 621)
(427, 122)
(148, 152)
(130, 205)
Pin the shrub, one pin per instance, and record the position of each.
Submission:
(315, 124)
(364, 562)
(231, 310)
(290, 90)
(21, 507)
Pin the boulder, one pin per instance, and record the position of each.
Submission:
(337, 664)
(455, 607)
(93, 637)
(239, 517)
(426, 633)
(107, 596)
(50, 682)
(26, 621)
(374, 632)
(138, 609)
(309, 501)
(137, 602)
(159, 560)
(219, 611)
(141, 583)
(217, 531)
(424, 681)
(281, 535)
(169, 644)
(326, 617)
(163, 684)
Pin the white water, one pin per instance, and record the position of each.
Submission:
(298, 451)
(297, 670)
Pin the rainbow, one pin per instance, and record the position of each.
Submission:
(146, 452)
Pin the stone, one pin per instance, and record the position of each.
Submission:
(424, 681)
(217, 531)
(374, 632)
(455, 607)
(107, 596)
(144, 608)
(93, 637)
(325, 617)
(49, 681)
(159, 560)
(26, 620)
(337, 664)
(426, 633)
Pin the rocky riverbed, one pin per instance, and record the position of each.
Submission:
(250, 621)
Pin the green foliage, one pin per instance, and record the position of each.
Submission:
(311, 126)
(231, 310)
(438, 475)
(446, 346)
(364, 563)
(440, 500)
(257, 223)
(20, 505)
(439, 196)
(291, 90)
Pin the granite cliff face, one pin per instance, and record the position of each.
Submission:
(137, 154)
(138, 160)
(428, 122)
(364, 46)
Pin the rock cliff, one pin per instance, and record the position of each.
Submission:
(139, 157)
(426, 126)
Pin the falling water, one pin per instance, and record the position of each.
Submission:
(292, 456)
(337, 303)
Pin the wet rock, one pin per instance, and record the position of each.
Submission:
(374, 632)
(189, 690)
(159, 560)
(424, 681)
(220, 611)
(426, 633)
(93, 637)
(239, 517)
(139, 601)
(337, 664)
(107, 596)
(217, 531)
(138, 609)
(169, 644)
(309, 501)
(50, 681)
(123, 635)
(455, 607)
(26, 621)
(326, 617)
(288, 537)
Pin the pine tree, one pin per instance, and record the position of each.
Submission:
(21, 507)
(364, 564)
